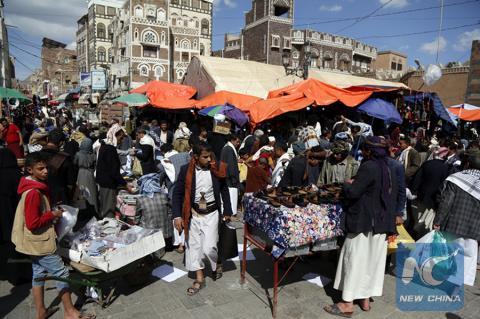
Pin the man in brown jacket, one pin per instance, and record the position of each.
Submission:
(409, 157)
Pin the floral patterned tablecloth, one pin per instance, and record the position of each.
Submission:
(290, 228)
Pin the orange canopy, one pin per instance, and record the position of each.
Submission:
(168, 95)
(466, 115)
(322, 93)
(361, 88)
(267, 109)
(240, 101)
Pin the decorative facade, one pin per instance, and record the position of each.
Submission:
(269, 33)
(94, 42)
(156, 39)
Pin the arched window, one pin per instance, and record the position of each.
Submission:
(186, 20)
(110, 55)
(161, 15)
(139, 11)
(163, 37)
(195, 45)
(314, 58)
(101, 31)
(150, 37)
(180, 74)
(143, 70)
(159, 70)
(202, 49)
(174, 18)
(101, 54)
(205, 27)
(135, 34)
(151, 13)
(176, 42)
(185, 44)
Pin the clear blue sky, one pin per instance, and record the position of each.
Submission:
(57, 19)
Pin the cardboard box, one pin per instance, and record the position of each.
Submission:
(222, 127)
(119, 257)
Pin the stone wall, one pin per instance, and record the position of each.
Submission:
(451, 87)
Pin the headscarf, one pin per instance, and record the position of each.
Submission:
(77, 136)
(379, 151)
(37, 136)
(340, 147)
(86, 146)
(33, 143)
(111, 139)
(440, 153)
(182, 131)
(85, 157)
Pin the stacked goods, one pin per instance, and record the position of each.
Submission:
(302, 196)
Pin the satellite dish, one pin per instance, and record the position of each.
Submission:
(13, 103)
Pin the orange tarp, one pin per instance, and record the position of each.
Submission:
(168, 95)
(240, 101)
(466, 115)
(360, 88)
(267, 109)
(322, 94)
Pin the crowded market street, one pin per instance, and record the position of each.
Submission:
(239, 159)
(228, 299)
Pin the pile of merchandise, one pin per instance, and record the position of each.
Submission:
(302, 196)
(97, 238)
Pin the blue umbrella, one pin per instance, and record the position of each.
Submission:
(381, 109)
(230, 112)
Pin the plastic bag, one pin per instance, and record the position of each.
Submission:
(137, 167)
(436, 257)
(432, 75)
(227, 243)
(66, 223)
(441, 249)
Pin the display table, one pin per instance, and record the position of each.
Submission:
(288, 232)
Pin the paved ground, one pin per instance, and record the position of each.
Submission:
(226, 298)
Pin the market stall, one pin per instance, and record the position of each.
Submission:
(102, 252)
(466, 112)
(291, 223)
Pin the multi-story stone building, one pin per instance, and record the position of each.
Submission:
(59, 67)
(156, 39)
(390, 65)
(269, 34)
(93, 40)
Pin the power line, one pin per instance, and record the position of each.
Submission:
(21, 43)
(19, 38)
(24, 65)
(390, 13)
(39, 57)
(416, 33)
(365, 17)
